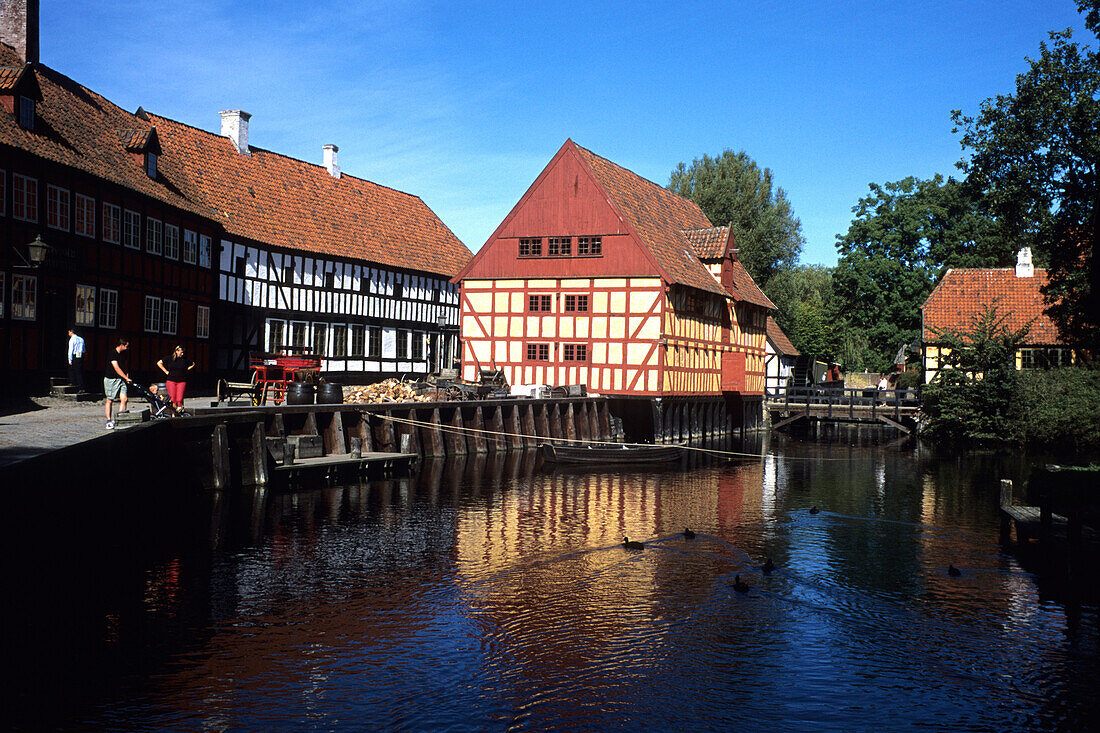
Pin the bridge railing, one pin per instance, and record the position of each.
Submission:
(856, 402)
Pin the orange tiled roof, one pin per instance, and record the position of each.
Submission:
(745, 288)
(659, 217)
(78, 128)
(963, 295)
(782, 344)
(278, 200)
(709, 243)
(9, 77)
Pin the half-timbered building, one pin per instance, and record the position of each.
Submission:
(601, 278)
(963, 295)
(126, 253)
(315, 258)
(780, 356)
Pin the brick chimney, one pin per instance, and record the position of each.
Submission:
(235, 127)
(1024, 267)
(19, 27)
(330, 160)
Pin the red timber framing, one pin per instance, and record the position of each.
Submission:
(596, 278)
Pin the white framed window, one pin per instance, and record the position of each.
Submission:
(85, 305)
(320, 339)
(108, 308)
(57, 208)
(84, 215)
(204, 251)
(24, 297)
(152, 314)
(276, 335)
(171, 241)
(358, 340)
(24, 199)
(112, 223)
(131, 229)
(298, 330)
(190, 246)
(417, 345)
(2, 291)
(154, 236)
(402, 344)
(202, 322)
(170, 311)
(374, 342)
(339, 341)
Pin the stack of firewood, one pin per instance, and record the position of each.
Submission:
(391, 390)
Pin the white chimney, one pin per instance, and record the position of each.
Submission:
(1023, 263)
(330, 160)
(235, 127)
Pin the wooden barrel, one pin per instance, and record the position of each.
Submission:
(330, 393)
(300, 393)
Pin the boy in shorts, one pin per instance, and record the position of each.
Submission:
(115, 379)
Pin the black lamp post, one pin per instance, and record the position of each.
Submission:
(36, 253)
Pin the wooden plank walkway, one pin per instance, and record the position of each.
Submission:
(344, 460)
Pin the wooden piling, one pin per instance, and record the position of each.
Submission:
(384, 433)
(476, 439)
(219, 454)
(605, 421)
(333, 435)
(515, 442)
(258, 454)
(530, 433)
(548, 422)
(569, 424)
(432, 435)
(496, 442)
(456, 438)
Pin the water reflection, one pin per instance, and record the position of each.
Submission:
(493, 593)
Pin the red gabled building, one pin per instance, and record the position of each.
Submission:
(601, 278)
(128, 254)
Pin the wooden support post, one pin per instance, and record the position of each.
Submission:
(657, 410)
(412, 432)
(496, 442)
(219, 454)
(515, 442)
(554, 429)
(383, 432)
(432, 437)
(605, 421)
(476, 439)
(531, 435)
(456, 436)
(278, 428)
(593, 421)
(310, 428)
(1005, 502)
(569, 424)
(334, 442)
(580, 417)
(259, 455)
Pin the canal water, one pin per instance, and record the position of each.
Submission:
(495, 594)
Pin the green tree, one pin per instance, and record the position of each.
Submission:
(802, 297)
(732, 189)
(1037, 155)
(904, 237)
(971, 399)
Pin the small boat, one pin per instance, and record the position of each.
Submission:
(602, 454)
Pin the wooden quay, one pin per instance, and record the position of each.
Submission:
(1057, 522)
(832, 402)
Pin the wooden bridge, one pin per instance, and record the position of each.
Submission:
(895, 408)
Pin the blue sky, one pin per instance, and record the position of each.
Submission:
(464, 103)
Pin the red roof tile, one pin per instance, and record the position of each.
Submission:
(281, 201)
(709, 243)
(963, 295)
(659, 218)
(745, 288)
(779, 339)
(9, 77)
(78, 128)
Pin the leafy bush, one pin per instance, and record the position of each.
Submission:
(909, 380)
(1058, 408)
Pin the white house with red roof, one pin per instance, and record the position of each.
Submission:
(963, 295)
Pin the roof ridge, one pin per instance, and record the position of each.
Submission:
(284, 156)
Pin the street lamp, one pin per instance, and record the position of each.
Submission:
(36, 253)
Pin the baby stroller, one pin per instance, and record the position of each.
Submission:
(159, 405)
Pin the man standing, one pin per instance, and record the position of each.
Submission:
(115, 379)
(76, 360)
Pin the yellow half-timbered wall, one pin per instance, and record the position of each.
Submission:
(620, 331)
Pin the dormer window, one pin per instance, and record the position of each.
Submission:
(151, 164)
(26, 113)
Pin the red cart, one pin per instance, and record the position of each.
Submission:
(275, 372)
